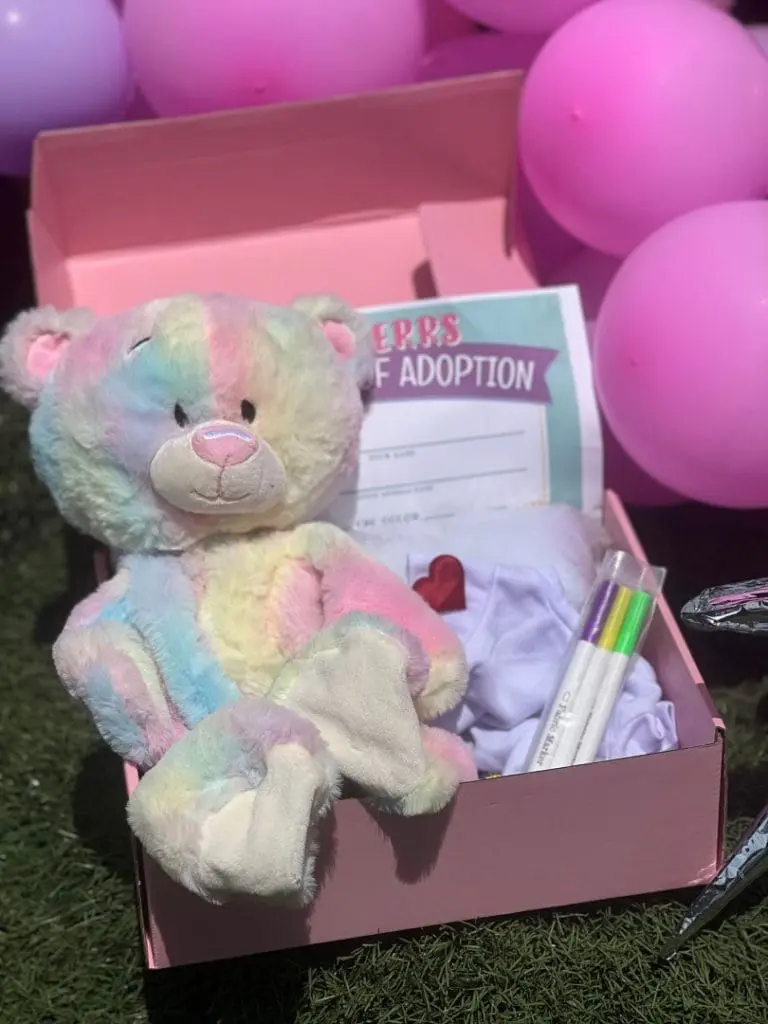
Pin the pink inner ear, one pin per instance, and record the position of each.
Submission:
(341, 337)
(43, 354)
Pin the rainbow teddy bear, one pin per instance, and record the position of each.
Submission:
(246, 656)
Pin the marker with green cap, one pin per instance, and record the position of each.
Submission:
(608, 687)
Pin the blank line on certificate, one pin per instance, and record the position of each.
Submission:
(440, 480)
(443, 441)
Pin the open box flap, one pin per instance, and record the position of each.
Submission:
(225, 202)
(383, 198)
(118, 187)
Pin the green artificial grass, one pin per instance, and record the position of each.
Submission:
(68, 933)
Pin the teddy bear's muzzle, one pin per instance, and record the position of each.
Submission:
(218, 468)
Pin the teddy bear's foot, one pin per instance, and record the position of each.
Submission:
(448, 763)
(263, 841)
(233, 808)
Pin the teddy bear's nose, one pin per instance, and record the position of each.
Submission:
(224, 446)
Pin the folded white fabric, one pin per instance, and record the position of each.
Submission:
(552, 538)
(515, 630)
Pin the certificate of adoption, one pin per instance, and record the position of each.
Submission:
(479, 404)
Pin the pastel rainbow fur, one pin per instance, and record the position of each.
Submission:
(246, 658)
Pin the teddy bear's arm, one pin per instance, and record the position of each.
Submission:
(103, 662)
(354, 583)
(378, 665)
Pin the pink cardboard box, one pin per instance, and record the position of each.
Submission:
(381, 198)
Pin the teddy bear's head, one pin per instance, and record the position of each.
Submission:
(191, 416)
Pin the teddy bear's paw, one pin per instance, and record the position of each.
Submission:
(445, 686)
(262, 843)
(448, 763)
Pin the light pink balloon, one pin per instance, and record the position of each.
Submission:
(477, 54)
(681, 355)
(532, 17)
(637, 111)
(445, 22)
(199, 57)
(593, 272)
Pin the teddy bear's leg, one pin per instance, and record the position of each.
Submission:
(233, 807)
(354, 680)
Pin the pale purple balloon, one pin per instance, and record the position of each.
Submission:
(593, 272)
(478, 54)
(62, 64)
(637, 111)
(681, 354)
(199, 57)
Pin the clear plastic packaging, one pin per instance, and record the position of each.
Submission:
(611, 632)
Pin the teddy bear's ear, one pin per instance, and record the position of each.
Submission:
(346, 330)
(32, 345)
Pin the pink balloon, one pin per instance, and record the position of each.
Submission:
(681, 355)
(199, 57)
(445, 22)
(477, 54)
(637, 111)
(593, 272)
(530, 17)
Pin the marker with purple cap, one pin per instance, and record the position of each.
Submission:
(556, 743)
(602, 688)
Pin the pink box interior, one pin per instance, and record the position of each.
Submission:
(381, 198)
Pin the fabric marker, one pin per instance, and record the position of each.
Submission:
(614, 674)
(567, 693)
(590, 684)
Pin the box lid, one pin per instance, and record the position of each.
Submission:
(383, 198)
(406, 198)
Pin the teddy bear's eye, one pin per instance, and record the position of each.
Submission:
(180, 416)
(248, 411)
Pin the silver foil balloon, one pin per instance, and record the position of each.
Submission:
(733, 608)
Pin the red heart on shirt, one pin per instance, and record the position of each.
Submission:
(443, 588)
